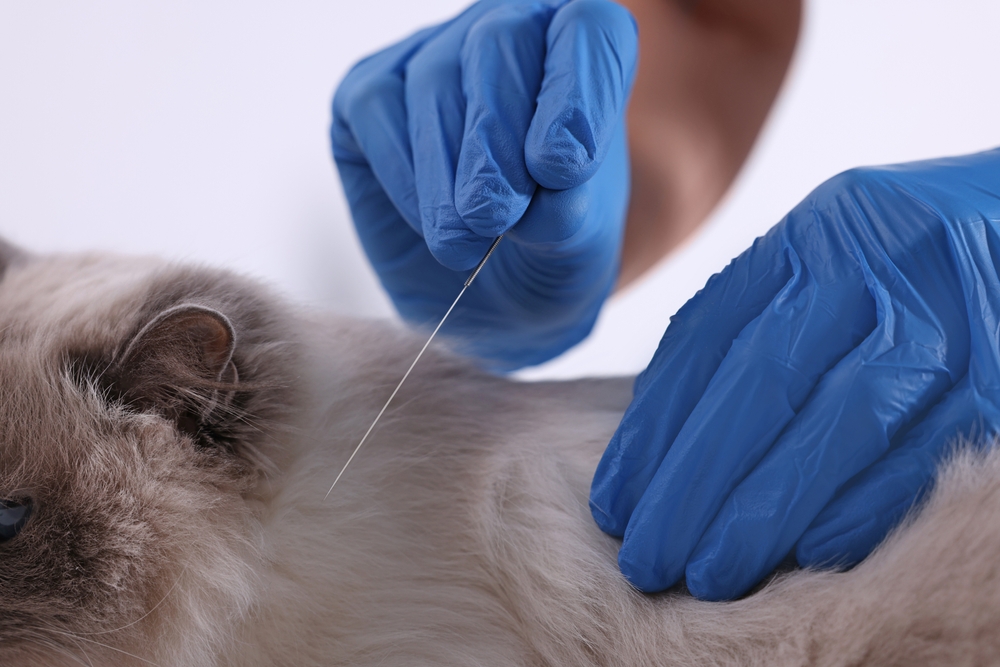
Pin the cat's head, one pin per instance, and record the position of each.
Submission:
(137, 404)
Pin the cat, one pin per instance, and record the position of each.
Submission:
(168, 434)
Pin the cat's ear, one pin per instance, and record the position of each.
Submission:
(189, 341)
(180, 364)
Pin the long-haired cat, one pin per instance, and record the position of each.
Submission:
(168, 434)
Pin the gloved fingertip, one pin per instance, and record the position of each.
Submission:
(837, 545)
(603, 24)
(643, 575)
(489, 207)
(605, 520)
(610, 480)
(705, 583)
(564, 154)
(456, 249)
(699, 584)
(851, 527)
(826, 555)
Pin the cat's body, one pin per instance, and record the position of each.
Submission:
(176, 431)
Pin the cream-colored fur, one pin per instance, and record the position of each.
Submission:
(459, 536)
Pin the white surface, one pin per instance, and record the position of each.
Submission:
(197, 130)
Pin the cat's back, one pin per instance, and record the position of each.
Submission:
(168, 436)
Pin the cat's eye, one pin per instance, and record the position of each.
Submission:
(14, 514)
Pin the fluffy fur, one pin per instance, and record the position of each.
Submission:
(178, 466)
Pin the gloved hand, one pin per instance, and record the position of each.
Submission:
(803, 398)
(508, 118)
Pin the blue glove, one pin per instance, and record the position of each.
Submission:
(801, 400)
(506, 119)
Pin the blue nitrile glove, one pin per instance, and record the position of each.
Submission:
(802, 399)
(508, 118)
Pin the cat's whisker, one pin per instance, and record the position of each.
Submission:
(44, 641)
(151, 610)
(103, 645)
(248, 421)
(83, 650)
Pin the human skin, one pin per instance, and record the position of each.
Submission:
(708, 74)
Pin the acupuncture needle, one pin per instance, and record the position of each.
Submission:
(468, 281)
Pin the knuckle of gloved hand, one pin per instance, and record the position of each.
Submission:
(352, 96)
(342, 140)
(606, 23)
(355, 79)
(429, 71)
(858, 183)
(504, 20)
(603, 14)
(357, 98)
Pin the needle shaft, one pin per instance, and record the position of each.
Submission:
(454, 303)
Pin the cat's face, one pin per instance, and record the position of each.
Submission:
(134, 401)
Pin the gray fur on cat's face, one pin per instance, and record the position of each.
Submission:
(136, 405)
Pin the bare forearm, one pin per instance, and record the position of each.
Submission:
(708, 74)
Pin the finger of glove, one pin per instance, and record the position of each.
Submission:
(698, 338)
(502, 63)
(844, 427)
(868, 507)
(436, 105)
(370, 123)
(763, 380)
(592, 54)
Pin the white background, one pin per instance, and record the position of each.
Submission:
(197, 129)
